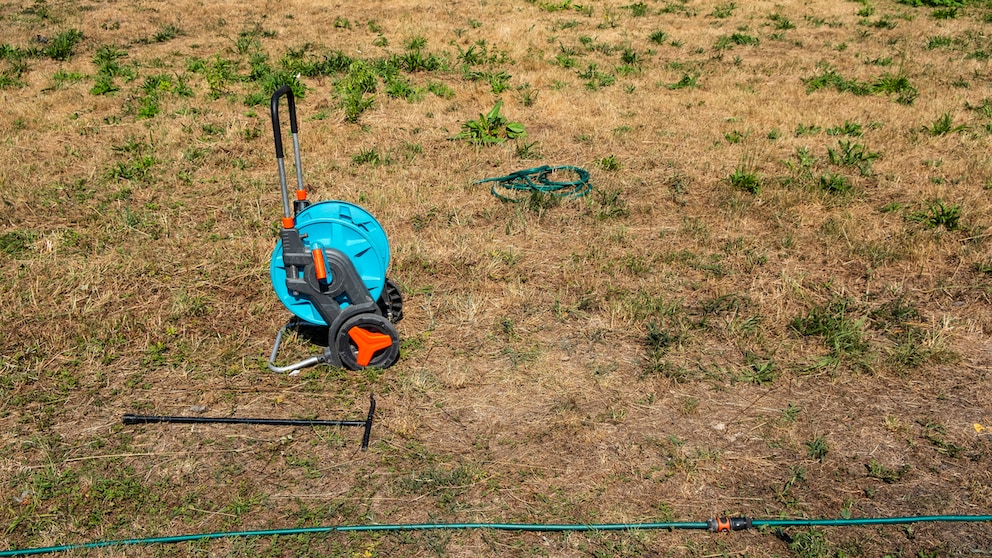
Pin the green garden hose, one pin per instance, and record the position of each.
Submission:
(519, 186)
(714, 525)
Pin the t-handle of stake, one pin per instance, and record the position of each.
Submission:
(368, 423)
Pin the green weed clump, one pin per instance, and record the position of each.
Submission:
(944, 125)
(939, 214)
(491, 128)
(357, 90)
(61, 46)
(107, 60)
(897, 85)
(842, 334)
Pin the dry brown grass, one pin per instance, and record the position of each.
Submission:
(632, 356)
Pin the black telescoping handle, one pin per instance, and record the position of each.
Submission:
(286, 91)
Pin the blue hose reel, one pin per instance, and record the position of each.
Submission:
(329, 269)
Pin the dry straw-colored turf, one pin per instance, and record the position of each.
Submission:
(775, 301)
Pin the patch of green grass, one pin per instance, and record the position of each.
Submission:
(834, 183)
(62, 45)
(688, 81)
(596, 78)
(371, 157)
(610, 204)
(939, 214)
(943, 125)
(843, 335)
(16, 243)
(950, 12)
(528, 150)
(610, 163)
(638, 9)
(107, 60)
(745, 177)
(810, 544)
(723, 11)
(817, 448)
(781, 22)
(11, 71)
(851, 154)
(499, 81)
(888, 475)
(852, 129)
(61, 78)
(167, 33)
(939, 41)
(726, 42)
(661, 337)
(481, 53)
(897, 85)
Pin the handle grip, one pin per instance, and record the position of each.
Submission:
(286, 91)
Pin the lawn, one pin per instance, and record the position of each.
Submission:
(774, 299)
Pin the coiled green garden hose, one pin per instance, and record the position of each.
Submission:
(519, 185)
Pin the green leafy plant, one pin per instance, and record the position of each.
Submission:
(688, 81)
(107, 60)
(782, 23)
(736, 39)
(595, 78)
(723, 11)
(939, 41)
(61, 46)
(944, 125)
(817, 448)
(167, 33)
(852, 129)
(357, 90)
(834, 183)
(370, 157)
(491, 128)
(638, 9)
(887, 84)
(851, 154)
(528, 150)
(843, 335)
(877, 470)
(758, 371)
(609, 163)
(939, 214)
(745, 177)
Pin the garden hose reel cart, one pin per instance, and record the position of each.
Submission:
(329, 270)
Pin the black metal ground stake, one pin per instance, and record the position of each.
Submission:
(367, 423)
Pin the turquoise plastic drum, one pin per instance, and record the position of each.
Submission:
(342, 226)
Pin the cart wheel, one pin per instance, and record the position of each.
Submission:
(391, 302)
(367, 340)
